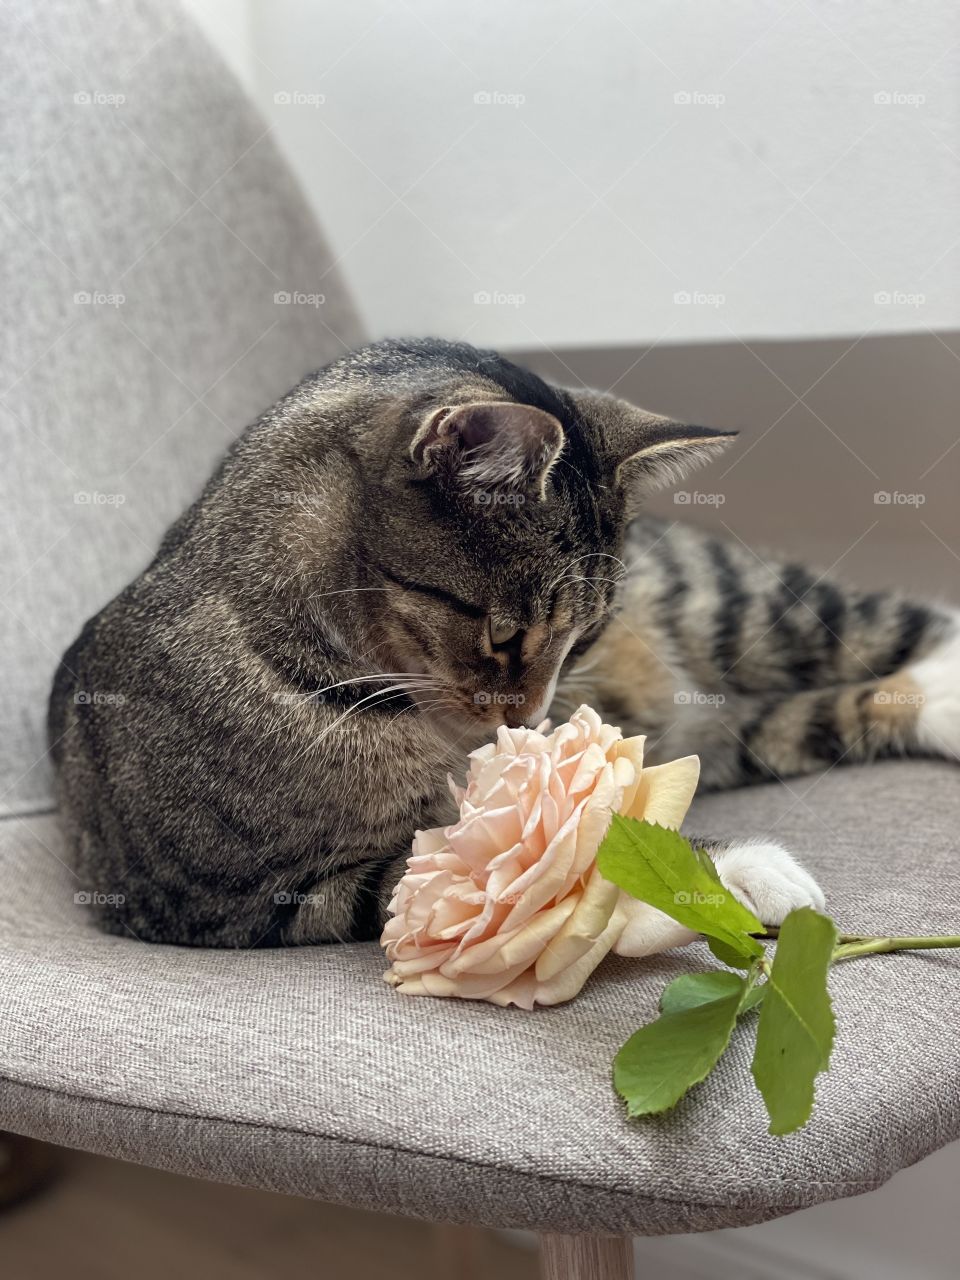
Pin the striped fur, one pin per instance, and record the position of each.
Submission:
(762, 667)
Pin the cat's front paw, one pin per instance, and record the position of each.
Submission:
(768, 880)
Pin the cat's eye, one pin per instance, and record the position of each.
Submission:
(501, 633)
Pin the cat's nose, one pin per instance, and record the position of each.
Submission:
(514, 717)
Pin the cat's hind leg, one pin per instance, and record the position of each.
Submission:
(915, 711)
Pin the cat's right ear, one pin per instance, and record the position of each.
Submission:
(490, 444)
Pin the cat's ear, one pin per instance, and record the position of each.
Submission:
(646, 451)
(656, 451)
(490, 444)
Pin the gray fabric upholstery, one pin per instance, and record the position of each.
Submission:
(302, 1071)
(112, 415)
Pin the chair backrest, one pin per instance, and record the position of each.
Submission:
(161, 281)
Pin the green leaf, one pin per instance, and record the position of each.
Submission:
(753, 997)
(660, 867)
(796, 1027)
(728, 955)
(661, 1061)
(692, 989)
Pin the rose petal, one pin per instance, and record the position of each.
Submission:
(665, 792)
(587, 923)
(541, 883)
(569, 981)
(521, 948)
(631, 749)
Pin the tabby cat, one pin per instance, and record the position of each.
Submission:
(419, 543)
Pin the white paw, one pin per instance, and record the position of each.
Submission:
(938, 678)
(768, 880)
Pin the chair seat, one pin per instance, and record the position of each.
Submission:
(301, 1071)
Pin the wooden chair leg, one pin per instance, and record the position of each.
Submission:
(459, 1252)
(586, 1257)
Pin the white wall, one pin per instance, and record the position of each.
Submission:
(586, 208)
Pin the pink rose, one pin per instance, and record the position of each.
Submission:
(507, 904)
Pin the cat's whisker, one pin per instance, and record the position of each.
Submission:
(384, 695)
(587, 556)
(582, 668)
(345, 591)
(582, 579)
(410, 677)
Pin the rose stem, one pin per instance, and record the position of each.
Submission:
(850, 948)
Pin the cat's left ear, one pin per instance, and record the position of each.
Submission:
(647, 451)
